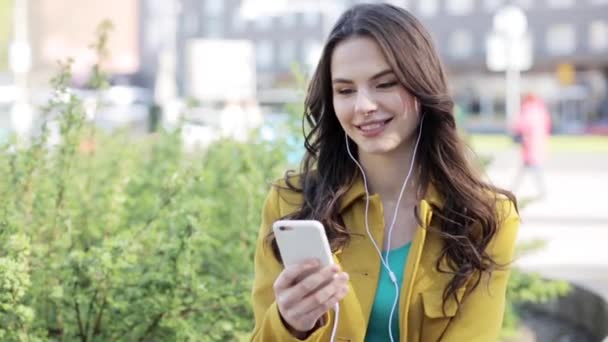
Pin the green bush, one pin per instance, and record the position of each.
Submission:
(107, 237)
(116, 239)
(528, 288)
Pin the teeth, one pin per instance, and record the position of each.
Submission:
(372, 126)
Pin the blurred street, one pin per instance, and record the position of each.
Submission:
(572, 218)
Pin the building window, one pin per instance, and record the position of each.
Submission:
(264, 22)
(213, 27)
(239, 23)
(525, 4)
(312, 52)
(287, 53)
(598, 35)
(288, 20)
(560, 3)
(311, 19)
(459, 7)
(461, 44)
(428, 8)
(492, 5)
(264, 54)
(191, 24)
(561, 39)
(213, 7)
(399, 3)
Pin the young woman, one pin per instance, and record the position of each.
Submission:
(422, 243)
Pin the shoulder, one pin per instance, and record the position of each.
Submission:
(285, 195)
(503, 245)
(506, 208)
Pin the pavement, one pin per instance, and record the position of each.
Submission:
(572, 218)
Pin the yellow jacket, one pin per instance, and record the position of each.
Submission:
(420, 307)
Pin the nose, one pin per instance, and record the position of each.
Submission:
(365, 103)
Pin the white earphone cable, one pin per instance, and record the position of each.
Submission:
(385, 262)
(336, 317)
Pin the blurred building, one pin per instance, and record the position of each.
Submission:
(570, 42)
(569, 45)
(279, 41)
(54, 31)
(54, 38)
(152, 38)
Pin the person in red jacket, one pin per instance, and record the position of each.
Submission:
(533, 128)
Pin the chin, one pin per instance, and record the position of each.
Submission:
(377, 148)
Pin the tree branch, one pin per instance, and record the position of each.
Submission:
(83, 336)
(152, 326)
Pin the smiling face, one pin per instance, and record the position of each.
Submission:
(372, 106)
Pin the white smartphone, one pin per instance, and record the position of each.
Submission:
(299, 240)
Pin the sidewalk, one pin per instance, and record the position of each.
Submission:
(572, 219)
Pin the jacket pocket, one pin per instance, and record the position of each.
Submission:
(437, 317)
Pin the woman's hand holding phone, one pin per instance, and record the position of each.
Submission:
(305, 292)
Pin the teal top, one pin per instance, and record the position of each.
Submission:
(377, 328)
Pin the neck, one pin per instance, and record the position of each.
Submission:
(386, 173)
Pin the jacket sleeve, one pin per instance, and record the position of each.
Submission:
(268, 324)
(480, 317)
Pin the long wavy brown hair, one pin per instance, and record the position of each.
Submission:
(467, 220)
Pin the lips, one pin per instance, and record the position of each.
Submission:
(373, 128)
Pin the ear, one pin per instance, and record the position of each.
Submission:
(416, 105)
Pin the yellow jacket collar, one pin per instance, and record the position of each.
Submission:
(357, 190)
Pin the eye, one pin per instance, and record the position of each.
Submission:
(387, 84)
(345, 91)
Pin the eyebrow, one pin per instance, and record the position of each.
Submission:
(376, 76)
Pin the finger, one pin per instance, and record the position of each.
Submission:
(322, 295)
(295, 294)
(301, 312)
(304, 274)
(287, 277)
(316, 313)
(316, 280)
